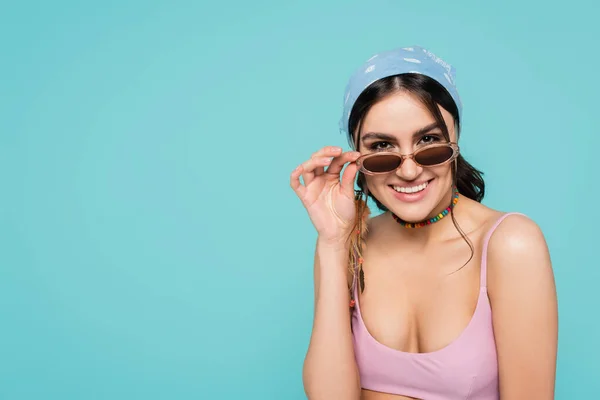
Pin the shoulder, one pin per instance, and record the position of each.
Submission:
(515, 238)
(509, 238)
(517, 255)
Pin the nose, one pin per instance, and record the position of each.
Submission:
(409, 170)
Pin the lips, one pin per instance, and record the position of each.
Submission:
(411, 193)
(410, 189)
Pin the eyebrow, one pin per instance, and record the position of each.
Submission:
(392, 138)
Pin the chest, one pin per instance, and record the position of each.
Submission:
(419, 301)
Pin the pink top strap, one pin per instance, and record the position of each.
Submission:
(486, 241)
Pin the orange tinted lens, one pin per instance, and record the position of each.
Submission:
(434, 155)
(381, 163)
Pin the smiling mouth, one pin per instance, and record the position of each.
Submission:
(411, 189)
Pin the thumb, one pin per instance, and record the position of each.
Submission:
(347, 181)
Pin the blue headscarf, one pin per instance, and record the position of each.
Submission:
(413, 59)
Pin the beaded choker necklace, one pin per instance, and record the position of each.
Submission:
(430, 220)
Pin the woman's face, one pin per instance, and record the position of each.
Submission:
(400, 123)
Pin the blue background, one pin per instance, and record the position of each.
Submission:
(150, 245)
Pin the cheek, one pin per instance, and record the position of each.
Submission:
(443, 171)
(444, 179)
(374, 183)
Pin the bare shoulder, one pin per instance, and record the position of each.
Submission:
(518, 246)
(514, 235)
(518, 262)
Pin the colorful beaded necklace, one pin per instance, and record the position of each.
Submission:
(430, 220)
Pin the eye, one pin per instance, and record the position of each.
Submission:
(429, 139)
(380, 146)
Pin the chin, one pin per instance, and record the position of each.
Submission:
(413, 216)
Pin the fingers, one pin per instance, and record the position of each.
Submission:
(319, 171)
(310, 166)
(329, 151)
(330, 156)
(318, 160)
(295, 181)
(347, 181)
(306, 171)
(338, 163)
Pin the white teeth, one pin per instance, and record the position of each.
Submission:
(413, 189)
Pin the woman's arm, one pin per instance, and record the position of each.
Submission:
(524, 308)
(330, 370)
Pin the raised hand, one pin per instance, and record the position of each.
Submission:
(328, 198)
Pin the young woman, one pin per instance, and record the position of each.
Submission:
(438, 297)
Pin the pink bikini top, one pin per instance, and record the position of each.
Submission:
(467, 368)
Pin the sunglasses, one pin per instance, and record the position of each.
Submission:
(384, 162)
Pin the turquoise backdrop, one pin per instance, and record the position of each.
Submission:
(150, 245)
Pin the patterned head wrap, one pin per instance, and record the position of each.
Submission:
(413, 59)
